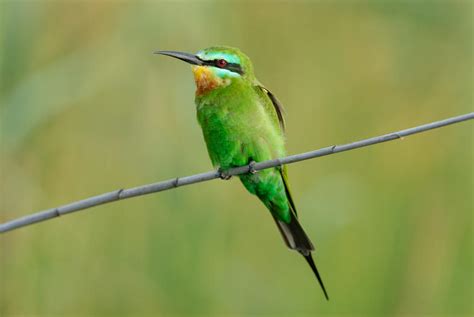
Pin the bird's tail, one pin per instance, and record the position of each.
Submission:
(296, 239)
(294, 235)
(309, 258)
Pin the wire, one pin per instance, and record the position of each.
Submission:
(121, 194)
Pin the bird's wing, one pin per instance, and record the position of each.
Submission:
(277, 108)
(284, 177)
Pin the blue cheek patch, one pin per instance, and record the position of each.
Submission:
(223, 73)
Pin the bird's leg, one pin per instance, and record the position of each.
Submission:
(223, 174)
(252, 169)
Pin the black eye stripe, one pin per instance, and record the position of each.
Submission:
(233, 67)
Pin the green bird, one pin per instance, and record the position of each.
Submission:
(242, 123)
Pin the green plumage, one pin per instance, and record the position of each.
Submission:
(242, 122)
(239, 125)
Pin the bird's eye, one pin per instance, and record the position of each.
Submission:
(221, 63)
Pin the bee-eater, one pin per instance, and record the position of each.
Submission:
(242, 123)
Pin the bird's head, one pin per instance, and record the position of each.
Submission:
(216, 67)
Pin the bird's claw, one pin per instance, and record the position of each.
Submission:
(252, 169)
(224, 174)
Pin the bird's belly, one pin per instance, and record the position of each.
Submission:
(230, 146)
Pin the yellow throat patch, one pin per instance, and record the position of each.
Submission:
(206, 80)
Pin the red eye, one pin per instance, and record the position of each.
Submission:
(221, 63)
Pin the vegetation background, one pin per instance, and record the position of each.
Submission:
(86, 108)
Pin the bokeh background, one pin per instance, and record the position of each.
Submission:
(86, 108)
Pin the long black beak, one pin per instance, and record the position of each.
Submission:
(188, 58)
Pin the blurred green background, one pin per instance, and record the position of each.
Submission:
(86, 108)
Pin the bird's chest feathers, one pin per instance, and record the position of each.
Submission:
(206, 80)
(233, 133)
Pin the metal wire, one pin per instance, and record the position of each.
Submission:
(121, 194)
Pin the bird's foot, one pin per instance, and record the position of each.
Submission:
(252, 169)
(224, 174)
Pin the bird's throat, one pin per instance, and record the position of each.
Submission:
(206, 80)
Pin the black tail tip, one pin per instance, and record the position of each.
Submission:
(309, 259)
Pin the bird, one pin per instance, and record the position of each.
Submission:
(243, 123)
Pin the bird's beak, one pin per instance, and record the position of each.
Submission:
(188, 58)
